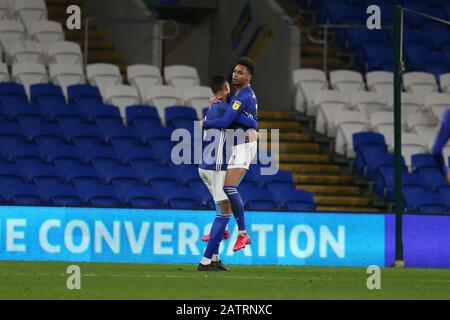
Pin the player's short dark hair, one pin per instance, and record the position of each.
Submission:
(218, 83)
(248, 63)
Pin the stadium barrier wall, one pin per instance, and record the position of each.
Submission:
(173, 236)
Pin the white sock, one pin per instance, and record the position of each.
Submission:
(243, 232)
(205, 261)
(215, 257)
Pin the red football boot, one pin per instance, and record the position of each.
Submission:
(241, 242)
(226, 235)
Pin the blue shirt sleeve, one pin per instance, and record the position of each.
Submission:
(246, 121)
(227, 119)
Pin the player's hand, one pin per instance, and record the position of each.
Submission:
(214, 99)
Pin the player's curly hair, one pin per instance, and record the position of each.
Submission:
(248, 63)
(218, 83)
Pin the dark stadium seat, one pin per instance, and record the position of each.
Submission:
(59, 151)
(164, 150)
(258, 198)
(22, 110)
(135, 154)
(47, 94)
(297, 200)
(421, 161)
(379, 160)
(64, 114)
(118, 134)
(283, 179)
(20, 151)
(203, 193)
(138, 196)
(39, 128)
(10, 131)
(356, 37)
(179, 198)
(433, 178)
(425, 202)
(98, 154)
(21, 194)
(42, 172)
(185, 172)
(84, 94)
(364, 144)
(99, 195)
(150, 133)
(102, 114)
(12, 92)
(118, 174)
(82, 133)
(142, 115)
(445, 192)
(59, 194)
(77, 173)
(156, 176)
(9, 173)
(385, 183)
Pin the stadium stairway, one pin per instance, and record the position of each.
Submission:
(311, 54)
(101, 50)
(316, 168)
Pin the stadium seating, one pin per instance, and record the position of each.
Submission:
(197, 97)
(328, 102)
(46, 32)
(121, 96)
(103, 75)
(162, 97)
(142, 76)
(65, 52)
(307, 83)
(25, 51)
(66, 75)
(181, 76)
(142, 115)
(348, 123)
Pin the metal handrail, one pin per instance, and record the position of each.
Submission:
(133, 21)
(324, 40)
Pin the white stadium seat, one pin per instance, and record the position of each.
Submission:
(29, 11)
(4, 74)
(10, 31)
(367, 102)
(410, 104)
(5, 12)
(67, 52)
(122, 96)
(65, 75)
(417, 121)
(348, 123)
(420, 84)
(436, 103)
(328, 102)
(181, 76)
(347, 82)
(307, 82)
(103, 75)
(382, 122)
(28, 73)
(142, 76)
(46, 32)
(444, 80)
(198, 98)
(381, 82)
(412, 143)
(25, 51)
(162, 97)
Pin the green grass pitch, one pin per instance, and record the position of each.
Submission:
(47, 280)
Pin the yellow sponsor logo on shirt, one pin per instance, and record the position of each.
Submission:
(236, 105)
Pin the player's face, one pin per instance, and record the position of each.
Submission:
(241, 75)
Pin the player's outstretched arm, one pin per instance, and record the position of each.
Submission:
(441, 139)
(227, 119)
(246, 121)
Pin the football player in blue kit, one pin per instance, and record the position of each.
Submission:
(441, 139)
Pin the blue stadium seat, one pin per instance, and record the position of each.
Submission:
(445, 192)
(84, 94)
(11, 92)
(282, 180)
(47, 94)
(118, 174)
(258, 199)
(102, 114)
(421, 55)
(80, 174)
(22, 110)
(59, 194)
(120, 135)
(10, 133)
(100, 154)
(377, 56)
(9, 173)
(203, 193)
(36, 129)
(99, 195)
(54, 152)
(40, 172)
(252, 178)
(82, 133)
(425, 202)
(297, 200)
(138, 196)
(421, 161)
(433, 178)
(356, 37)
(149, 134)
(179, 198)
(21, 194)
(185, 173)
(64, 114)
(377, 161)
(385, 183)
(20, 151)
(164, 151)
(364, 144)
(157, 176)
(181, 117)
(135, 154)
(142, 115)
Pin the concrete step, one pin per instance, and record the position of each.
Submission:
(293, 137)
(346, 209)
(315, 179)
(304, 158)
(290, 125)
(295, 147)
(330, 190)
(275, 115)
(343, 201)
(78, 35)
(312, 168)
